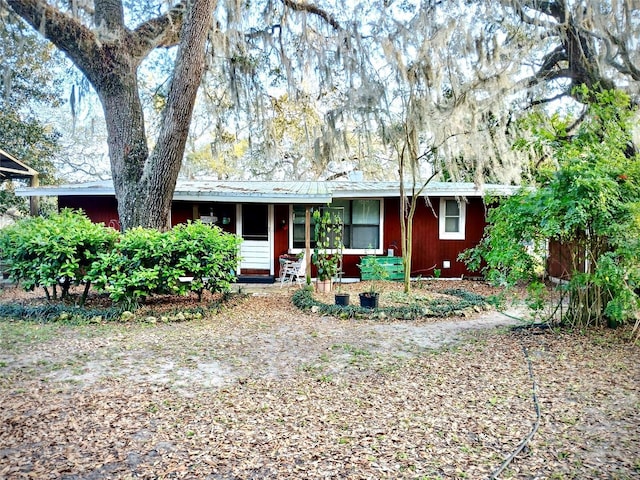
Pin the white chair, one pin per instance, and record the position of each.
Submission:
(293, 271)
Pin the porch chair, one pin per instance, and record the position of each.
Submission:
(293, 271)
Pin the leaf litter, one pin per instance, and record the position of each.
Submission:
(262, 390)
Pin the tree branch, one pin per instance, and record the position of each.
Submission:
(109, 13)
(552, 8)
(544, 101)
(628, 68)
(162, 31)
(553, 75)
(315, 10)
(528, 19)
(68, 34)
(552, 59)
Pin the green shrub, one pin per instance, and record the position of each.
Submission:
(136, 268)
(588, 200)
(56, 251)
(206, 254)
(67, 249)
(147, 262)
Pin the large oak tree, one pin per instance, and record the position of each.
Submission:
(109, 54)
(95, 36)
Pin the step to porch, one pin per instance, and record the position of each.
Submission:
(256, 278)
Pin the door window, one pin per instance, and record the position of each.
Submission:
(255, 221)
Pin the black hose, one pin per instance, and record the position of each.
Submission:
(536, 404)
(536, 424)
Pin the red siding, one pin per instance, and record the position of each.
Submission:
(105, 210)
(429, 252)
(98, 209)
(181, 212)
(561, 262)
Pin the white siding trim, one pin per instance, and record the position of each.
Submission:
(460, 234)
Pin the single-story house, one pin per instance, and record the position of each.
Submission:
(270, 217)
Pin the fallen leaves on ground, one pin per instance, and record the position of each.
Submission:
(262, 390)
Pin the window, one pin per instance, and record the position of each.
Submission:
(298, 227)
(361, 220)
(452, 219)
(255, 221)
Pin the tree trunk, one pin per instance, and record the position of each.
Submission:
(109, 56)
(127, 145)
(161, 170)
(408, 207)
(576, 57)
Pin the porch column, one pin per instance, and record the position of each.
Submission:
(34, 202)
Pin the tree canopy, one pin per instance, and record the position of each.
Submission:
(458, 73)
(589, 202)
(28, 83)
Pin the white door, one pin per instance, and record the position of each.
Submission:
(255, 225)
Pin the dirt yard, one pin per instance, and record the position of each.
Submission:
(264, 391)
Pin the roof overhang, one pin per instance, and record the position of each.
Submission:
(11, 167)
(314, 193)
(253, 192)
(310, 193)
(432, 189)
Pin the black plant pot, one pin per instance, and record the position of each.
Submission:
(369, 300)
(342, 299)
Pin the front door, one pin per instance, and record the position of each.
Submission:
(255, 225)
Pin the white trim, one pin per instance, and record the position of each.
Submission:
(257, 244)
(460, 234)
(290, 229)
(239, 234)
(271, 232)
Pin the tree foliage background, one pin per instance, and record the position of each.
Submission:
(459, 74)
(27, 85)
(589, 202)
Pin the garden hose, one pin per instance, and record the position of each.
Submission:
(536, 403)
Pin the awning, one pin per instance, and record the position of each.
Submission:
(10, 167)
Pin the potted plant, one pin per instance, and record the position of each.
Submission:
(342, 298)
(376, 272)
(327, 252)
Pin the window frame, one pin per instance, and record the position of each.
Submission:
(345, 251)
(462, 219)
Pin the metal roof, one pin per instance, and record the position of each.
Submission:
(305, 192)
(253, 191)
(433, 189)
(10, 167)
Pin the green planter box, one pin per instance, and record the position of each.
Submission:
(393, 266)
